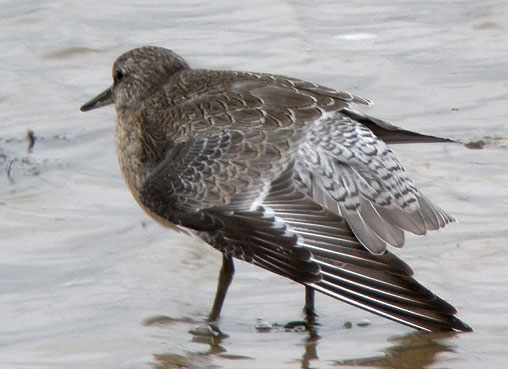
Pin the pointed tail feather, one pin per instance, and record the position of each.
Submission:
(390, 133)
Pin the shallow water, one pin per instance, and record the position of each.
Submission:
(87, 280)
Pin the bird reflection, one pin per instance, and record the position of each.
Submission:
(416, 350)
(310, 345)
(413, 351)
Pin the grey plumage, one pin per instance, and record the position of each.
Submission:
(278, 172)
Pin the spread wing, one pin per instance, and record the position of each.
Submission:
(382, 284)
(341, 164)
(349, 170)
(286, 232)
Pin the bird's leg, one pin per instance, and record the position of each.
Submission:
(225, 278)
(310, 312)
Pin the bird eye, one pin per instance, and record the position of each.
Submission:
(117, 75)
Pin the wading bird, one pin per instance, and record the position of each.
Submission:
(278, 172)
